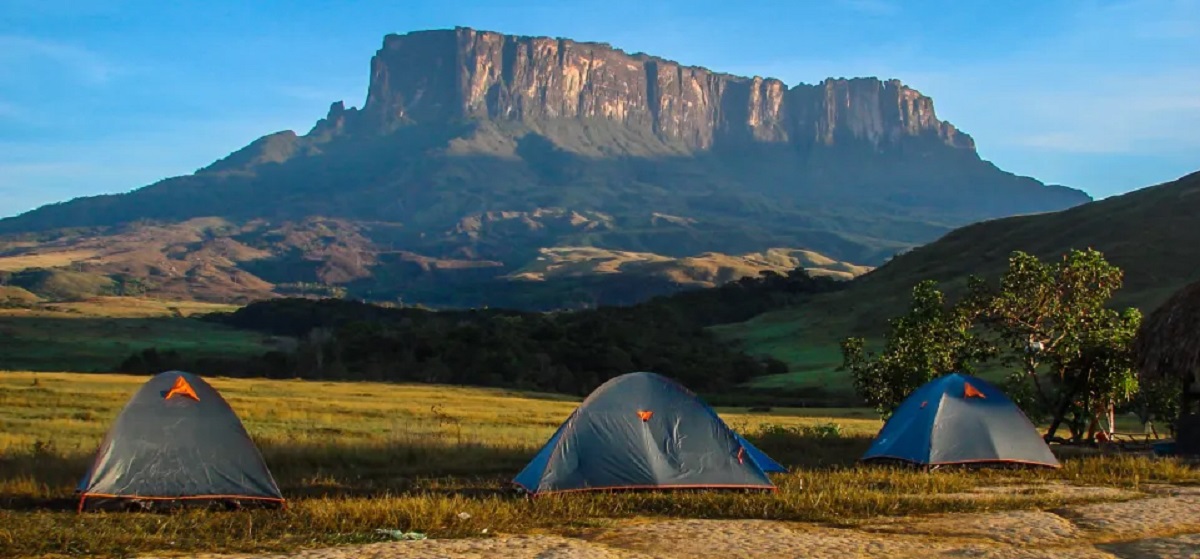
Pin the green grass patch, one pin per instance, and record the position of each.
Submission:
(97, 333)
(797, 337)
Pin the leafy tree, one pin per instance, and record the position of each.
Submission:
(1050, 320)
(1097, 373)
(1052, 317)
(1042, 310)
(929, 341)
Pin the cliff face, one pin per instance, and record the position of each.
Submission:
(432, 76)
(476, 152)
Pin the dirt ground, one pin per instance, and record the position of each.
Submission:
(1161, 522)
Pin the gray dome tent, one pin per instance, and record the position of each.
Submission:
(177, 440)
(645, 431)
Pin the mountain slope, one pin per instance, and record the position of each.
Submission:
(212, 259)
(1153, 234)
(480, 147)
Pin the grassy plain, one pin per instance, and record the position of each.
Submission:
(98, 333)
(356, 457)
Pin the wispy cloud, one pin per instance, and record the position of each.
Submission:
(1073, 142)
(871, 7)
(1114, 83)
(85, 64)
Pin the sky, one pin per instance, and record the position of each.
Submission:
(108, 96)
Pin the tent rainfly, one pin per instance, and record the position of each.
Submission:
(177, 441)
(645, 431)
(960, 419)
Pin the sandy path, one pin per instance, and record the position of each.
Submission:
(1165, 524)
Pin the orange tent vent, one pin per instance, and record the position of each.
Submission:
(645, 415)
(972, 392)
(181, 388)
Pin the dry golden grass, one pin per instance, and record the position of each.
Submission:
(117, 307)
(73, 410)
(708, 269)
(354, 457)
(97, 334)
(46, 259)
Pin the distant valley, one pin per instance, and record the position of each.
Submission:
(495, 170)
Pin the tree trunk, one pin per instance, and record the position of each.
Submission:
(1031, 371)
(1064, 406)
(1057, 420)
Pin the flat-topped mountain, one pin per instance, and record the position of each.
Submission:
(476, 152)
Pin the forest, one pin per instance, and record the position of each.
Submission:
(569, 352)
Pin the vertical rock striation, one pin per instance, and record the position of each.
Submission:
(430, 76)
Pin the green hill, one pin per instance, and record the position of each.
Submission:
(1153, 234)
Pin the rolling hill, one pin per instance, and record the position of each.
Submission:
(476, 152)
(1153, 234)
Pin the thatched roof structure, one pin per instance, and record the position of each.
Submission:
(1168, 343)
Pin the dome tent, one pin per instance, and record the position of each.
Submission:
(645, 431)
(960, 419)
(177, 440)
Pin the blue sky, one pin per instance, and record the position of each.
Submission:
(107, 96)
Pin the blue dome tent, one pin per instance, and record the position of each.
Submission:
(960, 419)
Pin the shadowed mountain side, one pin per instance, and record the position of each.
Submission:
(213, 259)
(826, 202)
(1151, 234)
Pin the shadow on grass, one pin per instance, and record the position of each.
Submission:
(343, 494)
(43, 479)
(37, 480)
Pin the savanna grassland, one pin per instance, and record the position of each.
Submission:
(356, 457)
(97, 333)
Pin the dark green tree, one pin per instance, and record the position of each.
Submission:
(929, 341)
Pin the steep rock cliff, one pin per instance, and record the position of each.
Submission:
(475, 152)
(432, 76)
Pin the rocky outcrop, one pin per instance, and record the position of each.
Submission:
(430, 76)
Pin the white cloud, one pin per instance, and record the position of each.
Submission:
(1109, 99)
(84, 64)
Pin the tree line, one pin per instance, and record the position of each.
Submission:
(567, 351)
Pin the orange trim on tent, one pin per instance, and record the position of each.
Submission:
(645, 415)
(181, 388)
(980, 461)
(83, 498)
(657, 487)
(972, 392)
